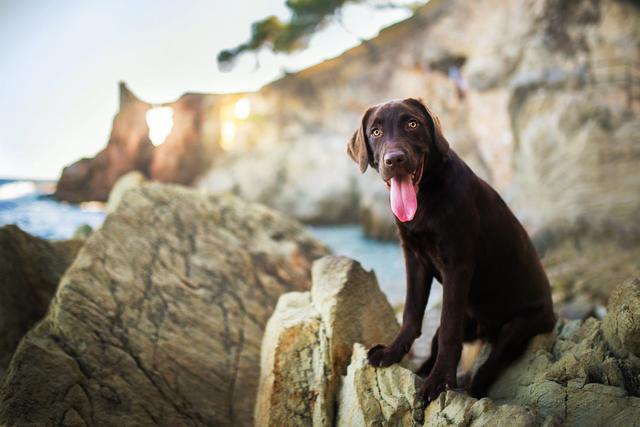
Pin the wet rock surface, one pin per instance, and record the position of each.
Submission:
(161, 316)
(30, 269)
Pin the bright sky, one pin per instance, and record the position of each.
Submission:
(61, 60)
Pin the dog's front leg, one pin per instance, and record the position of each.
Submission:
(419, 278)
(450, 334)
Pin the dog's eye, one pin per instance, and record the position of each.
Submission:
(413, 124)
(376, 132)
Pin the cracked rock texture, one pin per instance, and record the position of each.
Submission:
(622, 324)
(30, 269)
(160, 318)
(388, 397)
(309, 339)
(584, 373)
(376, 396)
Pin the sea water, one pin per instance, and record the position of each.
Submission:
(27, 205)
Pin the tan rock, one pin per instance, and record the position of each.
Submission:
(377, 396)
(126, 182)
(570, 374)
(352, 307)
(621, 326)
(309, 340)
(388, 397)
(293, 387)
(456, 409)
(161, 316)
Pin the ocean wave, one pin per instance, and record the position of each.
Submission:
(17, 190)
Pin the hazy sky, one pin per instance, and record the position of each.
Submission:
(61, 60)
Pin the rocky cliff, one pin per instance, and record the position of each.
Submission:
(545, 108)
(540, 97)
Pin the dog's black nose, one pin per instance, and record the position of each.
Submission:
(394, 158)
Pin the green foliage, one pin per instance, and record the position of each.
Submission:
(307, 17)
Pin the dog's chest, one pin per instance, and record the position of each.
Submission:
(426, 245)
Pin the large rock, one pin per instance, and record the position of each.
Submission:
(30, 269)
(388, 397)
(370, 396)
(578, 375)
(585, 373)
(133, 179)
(184, 155)
(309, 339)
(621, 325)
(129, 148)
(160, 318)
(574, 118)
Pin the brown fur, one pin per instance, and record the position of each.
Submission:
(464, 235)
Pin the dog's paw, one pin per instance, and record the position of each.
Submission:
(381, 356)
(431, 389)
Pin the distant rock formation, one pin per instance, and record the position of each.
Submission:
(540, 98)
(160, 318)
(30, 269)
(184, 155)
(584, 373)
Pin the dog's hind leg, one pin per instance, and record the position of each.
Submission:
(509, 344)
(470, 335)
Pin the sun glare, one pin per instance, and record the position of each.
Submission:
(160, 122)
(242, 109)
(228, 135)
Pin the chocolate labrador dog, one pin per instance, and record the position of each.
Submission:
(452, 226)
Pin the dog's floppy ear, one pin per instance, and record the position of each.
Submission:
(358, 147)
(442, 145)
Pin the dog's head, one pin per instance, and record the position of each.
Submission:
(399, 139)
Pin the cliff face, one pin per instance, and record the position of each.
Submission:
(540, 97)
(545, 108)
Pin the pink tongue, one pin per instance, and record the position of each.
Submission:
(403, 198)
